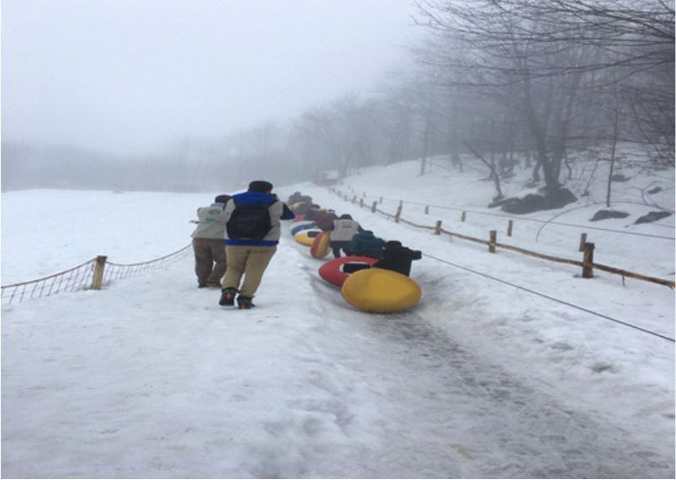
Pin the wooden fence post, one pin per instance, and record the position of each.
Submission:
(427, 209)
(373, 207)
(398, 214)
(437, 228)
(463, 216)
(354, 199)
(583, 240)
(380, 200)
(588, 261)
(510, 224)
(361, 202)
(493, 236)
(99, 267)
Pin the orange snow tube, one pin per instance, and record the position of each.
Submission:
(320, 246)
(380, 291)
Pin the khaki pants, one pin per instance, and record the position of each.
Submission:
(248, 261)
(209, 260)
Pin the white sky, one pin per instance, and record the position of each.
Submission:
(135, 75)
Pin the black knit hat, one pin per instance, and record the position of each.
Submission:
(223, 198)
(260, 186)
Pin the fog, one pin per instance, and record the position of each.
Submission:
(130, 76)
(195, 96)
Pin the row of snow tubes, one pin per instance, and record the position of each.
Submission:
(370, 290)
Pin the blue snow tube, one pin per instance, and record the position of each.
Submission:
(303, 226)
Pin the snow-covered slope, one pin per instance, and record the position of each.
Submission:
(443, 186)
(151, 378)
(46, 231)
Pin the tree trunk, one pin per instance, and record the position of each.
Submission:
(426, 145)
(536, 171)
(612, 154)
(491, 166)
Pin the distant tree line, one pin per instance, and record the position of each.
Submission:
(505, 82)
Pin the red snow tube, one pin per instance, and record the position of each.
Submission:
(333, 273)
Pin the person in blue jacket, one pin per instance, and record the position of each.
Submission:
(252, 233)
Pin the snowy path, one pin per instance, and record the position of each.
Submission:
(151, 378)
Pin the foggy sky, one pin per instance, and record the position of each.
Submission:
(135, 75)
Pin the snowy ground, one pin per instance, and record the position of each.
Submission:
(479, 381)
(46, 231)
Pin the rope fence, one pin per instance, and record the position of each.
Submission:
(92, 274)
(379, 200)
(549, 297)
(587, 248)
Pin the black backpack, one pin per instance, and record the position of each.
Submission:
(249, 222)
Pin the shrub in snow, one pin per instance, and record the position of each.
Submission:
(605, 214)
(652, 217)
(534, 202)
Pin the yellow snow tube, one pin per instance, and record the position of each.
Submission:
(306, 237)
(381, 291)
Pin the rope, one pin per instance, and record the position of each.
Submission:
(155, 260)
(549, 297)
(81, 276)
(70, 280)
(41, 279)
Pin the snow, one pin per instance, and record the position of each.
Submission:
(66, 228)
(471, 191)
(480, 380)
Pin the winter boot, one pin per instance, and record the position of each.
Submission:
(244, 303)
(228, 296)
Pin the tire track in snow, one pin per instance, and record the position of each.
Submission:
(470, 416)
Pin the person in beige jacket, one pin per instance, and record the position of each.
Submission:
(252, 232)
(207, 243)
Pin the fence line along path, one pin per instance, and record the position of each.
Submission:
(587, 249)
(92, 274)
(465, 211)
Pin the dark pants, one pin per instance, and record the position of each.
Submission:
(209, 261)
(337, 246)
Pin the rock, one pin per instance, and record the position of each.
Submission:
(618, 177)
(652, 217)
(535, 202)
(605, 214)
(498, 202)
